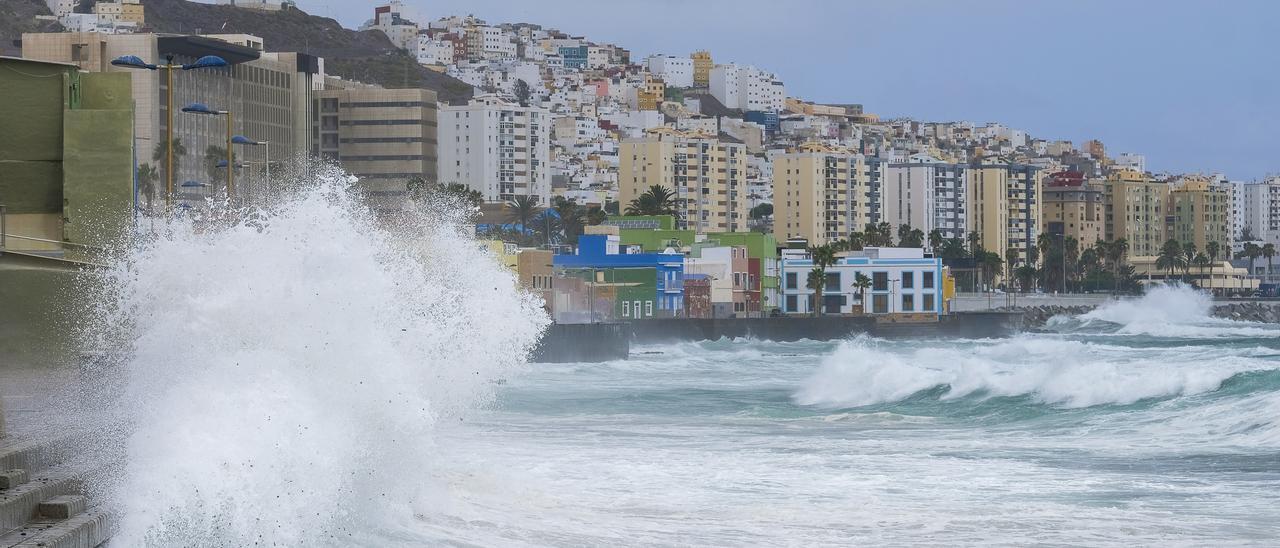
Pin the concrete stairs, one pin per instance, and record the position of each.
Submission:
(41, 502)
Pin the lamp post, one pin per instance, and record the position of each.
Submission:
(135, 62)
(201, 108)
(242, 140)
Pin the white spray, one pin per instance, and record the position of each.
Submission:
(277, 380)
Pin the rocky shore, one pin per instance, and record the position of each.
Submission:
(1035, 317)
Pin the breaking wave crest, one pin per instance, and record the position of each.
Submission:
(277, 374)
(1166, 312)
(1057, 372)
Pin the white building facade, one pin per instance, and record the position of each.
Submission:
(903, 281)
(675, 71)
(498, 148)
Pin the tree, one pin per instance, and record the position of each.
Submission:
(147, 178)
(1026, 275)
(1170, 258)
(910, 237)
(936, 240)
(212, 155)
(572, 218)
(761, 211)
(878, 235)
(611, 208)
(520, 209)
(1188, 258)
(823, 256)
(1212, 250)
(160, 155)
(596, 216)
(1268, 251)
(989, 263)
(522, 93)
(1251, 251)
(1116, 251)
(1201, 261)
(816, 279)
(655, 201)
(863, 283)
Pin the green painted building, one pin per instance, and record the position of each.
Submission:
(639, 230)
(629, 291)
(66, 184)
(66, 156)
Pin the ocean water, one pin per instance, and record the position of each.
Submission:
(306, 374)
(1143, 423)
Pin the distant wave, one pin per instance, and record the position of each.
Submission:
(1165, 311)
(1057, 372)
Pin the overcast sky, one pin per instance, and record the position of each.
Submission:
(1194, 85)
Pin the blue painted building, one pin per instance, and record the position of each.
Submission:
(767, 119)
(604, 252)
(903, 281)
(574, 57)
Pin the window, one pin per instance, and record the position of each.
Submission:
(879, 281)
(648, 308)
(908, 280)
(791, 304)
(926, 280)
(908, 302)
(879, 304)
(927, 304)
(833, 282)
(626, 309)
(791, 280)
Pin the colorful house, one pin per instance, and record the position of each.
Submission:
(602, 261)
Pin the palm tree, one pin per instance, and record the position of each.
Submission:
(935, 240)
(910, 237)
(1201, 261)
(572, 218)
(1251, 251)
(1189, 257)
(212, 155)
(1268, 251)
(863, 283)
(520, 209)
(1170, 258)
(1212, 249)
(1026, 275)
(1115, 255)
(147, 178)
(160, 154)
(816, 279)
(655, 201)
(823, 256)
(596, 216)
(1011, 263)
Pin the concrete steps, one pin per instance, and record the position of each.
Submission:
(41, 504)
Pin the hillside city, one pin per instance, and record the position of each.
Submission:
(615, 186)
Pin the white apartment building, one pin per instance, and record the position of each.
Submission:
(747, 88)
(496, 147)
(61, 8)
(434, 52)
(397, 23)
(491, 43)
(675, 71)
(1255, 208)
(927, 194)
(1136, 162)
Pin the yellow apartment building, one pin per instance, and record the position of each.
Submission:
(1073, 207)
(1201, 214)
(1135, 208)
(1005, 207)
(819, 194)
(707, 175)
(702, 68)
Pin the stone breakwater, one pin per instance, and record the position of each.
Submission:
(1035, 317)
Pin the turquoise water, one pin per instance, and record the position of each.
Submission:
(1142, 423)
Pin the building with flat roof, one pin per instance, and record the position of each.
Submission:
(1134, 208)
(820, 193)
(269, 95)
(499, 148)
(903, 282)
(386, 137)
(707, 175)
(927, 194)
(1073, 207)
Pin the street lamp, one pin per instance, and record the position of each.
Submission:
(195, 184)
(135, 62)
(201, 108)
(242, 140)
